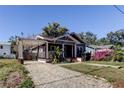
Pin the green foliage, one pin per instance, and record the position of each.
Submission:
(12, 40)
(28, 83)
(57, 55)
(88, 37)
(116, 37)
(9, 66)
(108, 58)
(103, 41)
(118, 54)
(6, 67)
(54, 30)
(110, 74)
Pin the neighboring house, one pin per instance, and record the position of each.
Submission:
(99, 52)
(5, 49)
(71, 45)
(93, 48)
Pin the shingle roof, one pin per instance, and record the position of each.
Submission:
(76, 36)
(100, 47)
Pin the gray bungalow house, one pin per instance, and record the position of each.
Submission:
(71, 45)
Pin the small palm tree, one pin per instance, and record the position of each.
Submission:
(54, 30)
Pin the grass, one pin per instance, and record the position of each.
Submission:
(115, 76)
(108, 63)
(8, 67)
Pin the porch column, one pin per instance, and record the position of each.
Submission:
(46, 50)
(20, 52)
(72, 51)
(37, 52)
(75, 50)
(63, 51)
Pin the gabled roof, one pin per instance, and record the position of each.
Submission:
(73, 37)
(76, 36)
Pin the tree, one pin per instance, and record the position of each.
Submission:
(103, 41)
(12, 40)
(54, 30)
(88, 37)
(118, 54)
(116, 37)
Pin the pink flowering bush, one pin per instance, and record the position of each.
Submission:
(102, 54)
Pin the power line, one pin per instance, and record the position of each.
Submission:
(118, 9)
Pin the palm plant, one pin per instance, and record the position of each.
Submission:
(54, 30)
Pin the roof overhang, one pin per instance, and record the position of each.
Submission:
(58, 38)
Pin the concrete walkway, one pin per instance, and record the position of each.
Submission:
(53, 76)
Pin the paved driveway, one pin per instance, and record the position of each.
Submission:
(53, 76)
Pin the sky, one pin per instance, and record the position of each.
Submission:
(31, 19)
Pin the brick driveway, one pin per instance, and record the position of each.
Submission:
(53, 76)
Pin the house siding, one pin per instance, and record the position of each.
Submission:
(5, 50)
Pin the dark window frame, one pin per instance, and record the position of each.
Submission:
(1, 46)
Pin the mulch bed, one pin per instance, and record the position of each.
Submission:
(118, 84)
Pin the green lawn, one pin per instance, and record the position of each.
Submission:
(108, 63)
(115, 76)
(13, 74)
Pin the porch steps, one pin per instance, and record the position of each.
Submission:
(42, 60)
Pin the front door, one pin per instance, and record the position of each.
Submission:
(68, 51)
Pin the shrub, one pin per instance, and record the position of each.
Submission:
(118, 54)
(118, 57)
(107, 58)
(57, 56)
(28, 83)
(14, 74)
(103, 55)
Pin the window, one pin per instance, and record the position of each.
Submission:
(52, 48)
(4, 53)
(1, 47)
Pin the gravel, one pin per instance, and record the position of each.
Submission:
(53, 76)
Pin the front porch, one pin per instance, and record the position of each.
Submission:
(46, 51)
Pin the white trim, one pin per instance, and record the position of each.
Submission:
(54, 39)
(47, 50)
(67, 41)
(59, 37)
(72, 51)
(39, 37)
(69, 37)
(43, 38)
(73, 39)
(63, 51)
